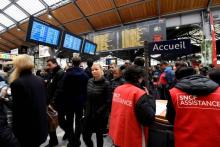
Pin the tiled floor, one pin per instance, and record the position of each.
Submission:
(60, 133)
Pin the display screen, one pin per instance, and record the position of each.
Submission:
(89, 48)
(72, 42)
(43, 33)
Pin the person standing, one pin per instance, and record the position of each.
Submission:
(166, 80)
(132, 108)
(7, 137)
(54, 84)
(97, 106)
(88, 70)
(74, 91)
(193, 108)
(29, 103)
(117, 78)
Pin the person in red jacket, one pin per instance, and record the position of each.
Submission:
(132, 108)
(193, 108)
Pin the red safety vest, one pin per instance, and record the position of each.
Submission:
(125, 130)
(197, 121)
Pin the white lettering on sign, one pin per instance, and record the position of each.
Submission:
(118, 99)
(190, 101)
(180, 45)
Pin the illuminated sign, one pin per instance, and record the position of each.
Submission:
(5, 56)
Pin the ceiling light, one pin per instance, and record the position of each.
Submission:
(177, 27)
(49, 16)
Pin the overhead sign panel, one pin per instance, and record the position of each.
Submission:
(182, 46)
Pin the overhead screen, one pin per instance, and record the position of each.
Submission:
(43, 33)
(89, 47)
(72, 42)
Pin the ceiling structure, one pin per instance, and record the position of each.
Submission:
(85, 16)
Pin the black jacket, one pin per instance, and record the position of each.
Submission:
(117, 82)
(98, 102)
(88, 71)
(194, 85)
(54, 85)
(30, 122)
(75, 88)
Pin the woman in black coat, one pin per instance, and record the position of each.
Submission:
(29, 104)
(97, 106)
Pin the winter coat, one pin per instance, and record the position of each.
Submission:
(98, 102)
(75, 88)
(54, 85)
(30, 122)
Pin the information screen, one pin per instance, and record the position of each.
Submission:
(72, 42)
(89, 48)
(43, 33)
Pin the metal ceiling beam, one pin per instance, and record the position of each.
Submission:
(9, 17)
(209, 4)
(158, 8)
(83, 15)
(118, 13)
(22, 9)
(49, 12)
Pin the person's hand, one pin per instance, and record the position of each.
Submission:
(3, 92)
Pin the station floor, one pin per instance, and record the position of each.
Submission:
(60, 133)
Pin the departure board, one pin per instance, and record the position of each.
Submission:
(89, 47)
(132, 38)
(106, 41)
(43, 33)
(72, 42)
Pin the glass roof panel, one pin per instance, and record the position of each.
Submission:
(51, 2)
(5, 21)
(31, 6)
(15, 13)
(4, 3)
(1, 28)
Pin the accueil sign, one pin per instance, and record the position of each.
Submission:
(171, 46)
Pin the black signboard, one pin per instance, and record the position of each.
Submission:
(182, 46)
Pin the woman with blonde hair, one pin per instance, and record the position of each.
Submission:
(97, 106)
(29, 103)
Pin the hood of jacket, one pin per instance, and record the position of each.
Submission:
(197, 85)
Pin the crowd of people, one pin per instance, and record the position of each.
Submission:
(119, 101)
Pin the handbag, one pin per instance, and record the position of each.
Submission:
(52, 118)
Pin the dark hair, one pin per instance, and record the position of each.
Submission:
(89, 62)
(133, 73)
(163, 63)
(6, 68)
(38, 73)
(214, 75)
(184, 71)
(53, 60)
(139, 61)
(76, 60)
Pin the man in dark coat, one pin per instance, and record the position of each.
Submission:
(53, 90)
(74, 90)
(29, 110)
(88, 70)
